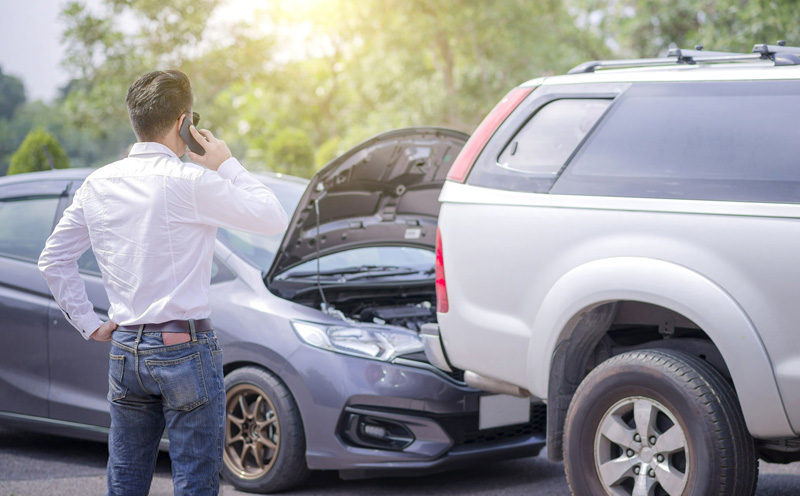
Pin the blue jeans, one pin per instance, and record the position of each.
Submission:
(180, 387)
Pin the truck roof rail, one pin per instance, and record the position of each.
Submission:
(779, 54)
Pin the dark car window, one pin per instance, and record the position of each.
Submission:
(25, 225)
(545, 143)
(708, 141)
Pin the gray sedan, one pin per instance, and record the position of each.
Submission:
(324, 368)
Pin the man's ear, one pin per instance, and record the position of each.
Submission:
(176, 127)
(180, 121)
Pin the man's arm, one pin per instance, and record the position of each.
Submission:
(233, 198)
(58, 264)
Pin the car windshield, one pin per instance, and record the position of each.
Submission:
(260, 249)
(367, 262)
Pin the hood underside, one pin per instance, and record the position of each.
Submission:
(382, 192)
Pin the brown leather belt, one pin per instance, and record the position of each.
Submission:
(200, 325)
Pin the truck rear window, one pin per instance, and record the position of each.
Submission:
(737, 141)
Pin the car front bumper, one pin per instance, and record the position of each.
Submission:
(369, 418)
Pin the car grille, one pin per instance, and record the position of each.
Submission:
(463, 429)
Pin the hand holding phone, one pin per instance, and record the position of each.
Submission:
(186, 134)
(216, 151)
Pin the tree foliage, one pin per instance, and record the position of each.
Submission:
(12, 95)
(298, 83)
(307, 81)
(645, 28)
(36, 153)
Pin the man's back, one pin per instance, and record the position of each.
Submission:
(148, 239)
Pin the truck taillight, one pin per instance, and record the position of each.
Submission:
(469, 154)
(442, 304)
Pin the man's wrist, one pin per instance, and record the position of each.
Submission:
(230, 168)
(88, 325)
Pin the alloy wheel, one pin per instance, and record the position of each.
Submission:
(252, 434)
(641, 449)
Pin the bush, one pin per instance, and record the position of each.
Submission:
(31, 156)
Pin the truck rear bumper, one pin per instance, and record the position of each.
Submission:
(434, 348)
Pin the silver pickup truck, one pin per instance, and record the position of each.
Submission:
(622, 243)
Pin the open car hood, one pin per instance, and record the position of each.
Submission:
(382, 192)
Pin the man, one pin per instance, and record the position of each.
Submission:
(151, 221)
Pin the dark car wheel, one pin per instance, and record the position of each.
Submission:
(264, 439)
(657, 422)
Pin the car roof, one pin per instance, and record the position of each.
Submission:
(79, 174)
(58, 174)
(764, 62)
(720, 72)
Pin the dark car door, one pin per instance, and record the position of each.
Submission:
(79, 368)
(27, 215)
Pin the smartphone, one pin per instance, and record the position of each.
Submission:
(189, 139)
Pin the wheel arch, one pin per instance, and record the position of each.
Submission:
(582, 305)
(240, 355)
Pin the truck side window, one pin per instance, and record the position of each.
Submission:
(725, 141)
(544, 144)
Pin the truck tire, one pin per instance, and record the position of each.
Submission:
(658, 422)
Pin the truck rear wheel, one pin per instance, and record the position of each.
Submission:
(658, 422)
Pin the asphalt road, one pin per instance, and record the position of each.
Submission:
(35, 464)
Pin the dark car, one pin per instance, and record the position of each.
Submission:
(324, 367)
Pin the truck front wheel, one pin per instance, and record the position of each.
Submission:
(658, 422)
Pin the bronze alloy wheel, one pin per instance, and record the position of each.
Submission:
(253, 432)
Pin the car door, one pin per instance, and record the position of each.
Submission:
(79, 367)
(27, 215)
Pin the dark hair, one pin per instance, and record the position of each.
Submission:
(156, 100)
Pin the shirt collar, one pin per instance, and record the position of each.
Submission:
(151, 148)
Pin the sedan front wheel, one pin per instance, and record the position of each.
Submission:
(264, 439)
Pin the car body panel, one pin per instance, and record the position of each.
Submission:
(559, 248)
(24, 371)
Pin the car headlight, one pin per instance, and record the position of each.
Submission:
(379, 343)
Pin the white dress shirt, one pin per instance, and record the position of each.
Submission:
(151, 221)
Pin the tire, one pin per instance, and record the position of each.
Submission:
(662, 419)
(265, 444)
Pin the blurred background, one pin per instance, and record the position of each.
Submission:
(290, 84)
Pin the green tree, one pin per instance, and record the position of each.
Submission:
(12, 95)
(645, 28)
(300, 78)
(36, 152)
(358, 69)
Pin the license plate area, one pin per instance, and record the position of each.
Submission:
(499, 410)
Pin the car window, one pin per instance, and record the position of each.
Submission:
(88, 263)
(260, 249)
(25, 225)
(705, 141)
(220, 272)
(545, 143)
(393, 256)
(531, 148)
